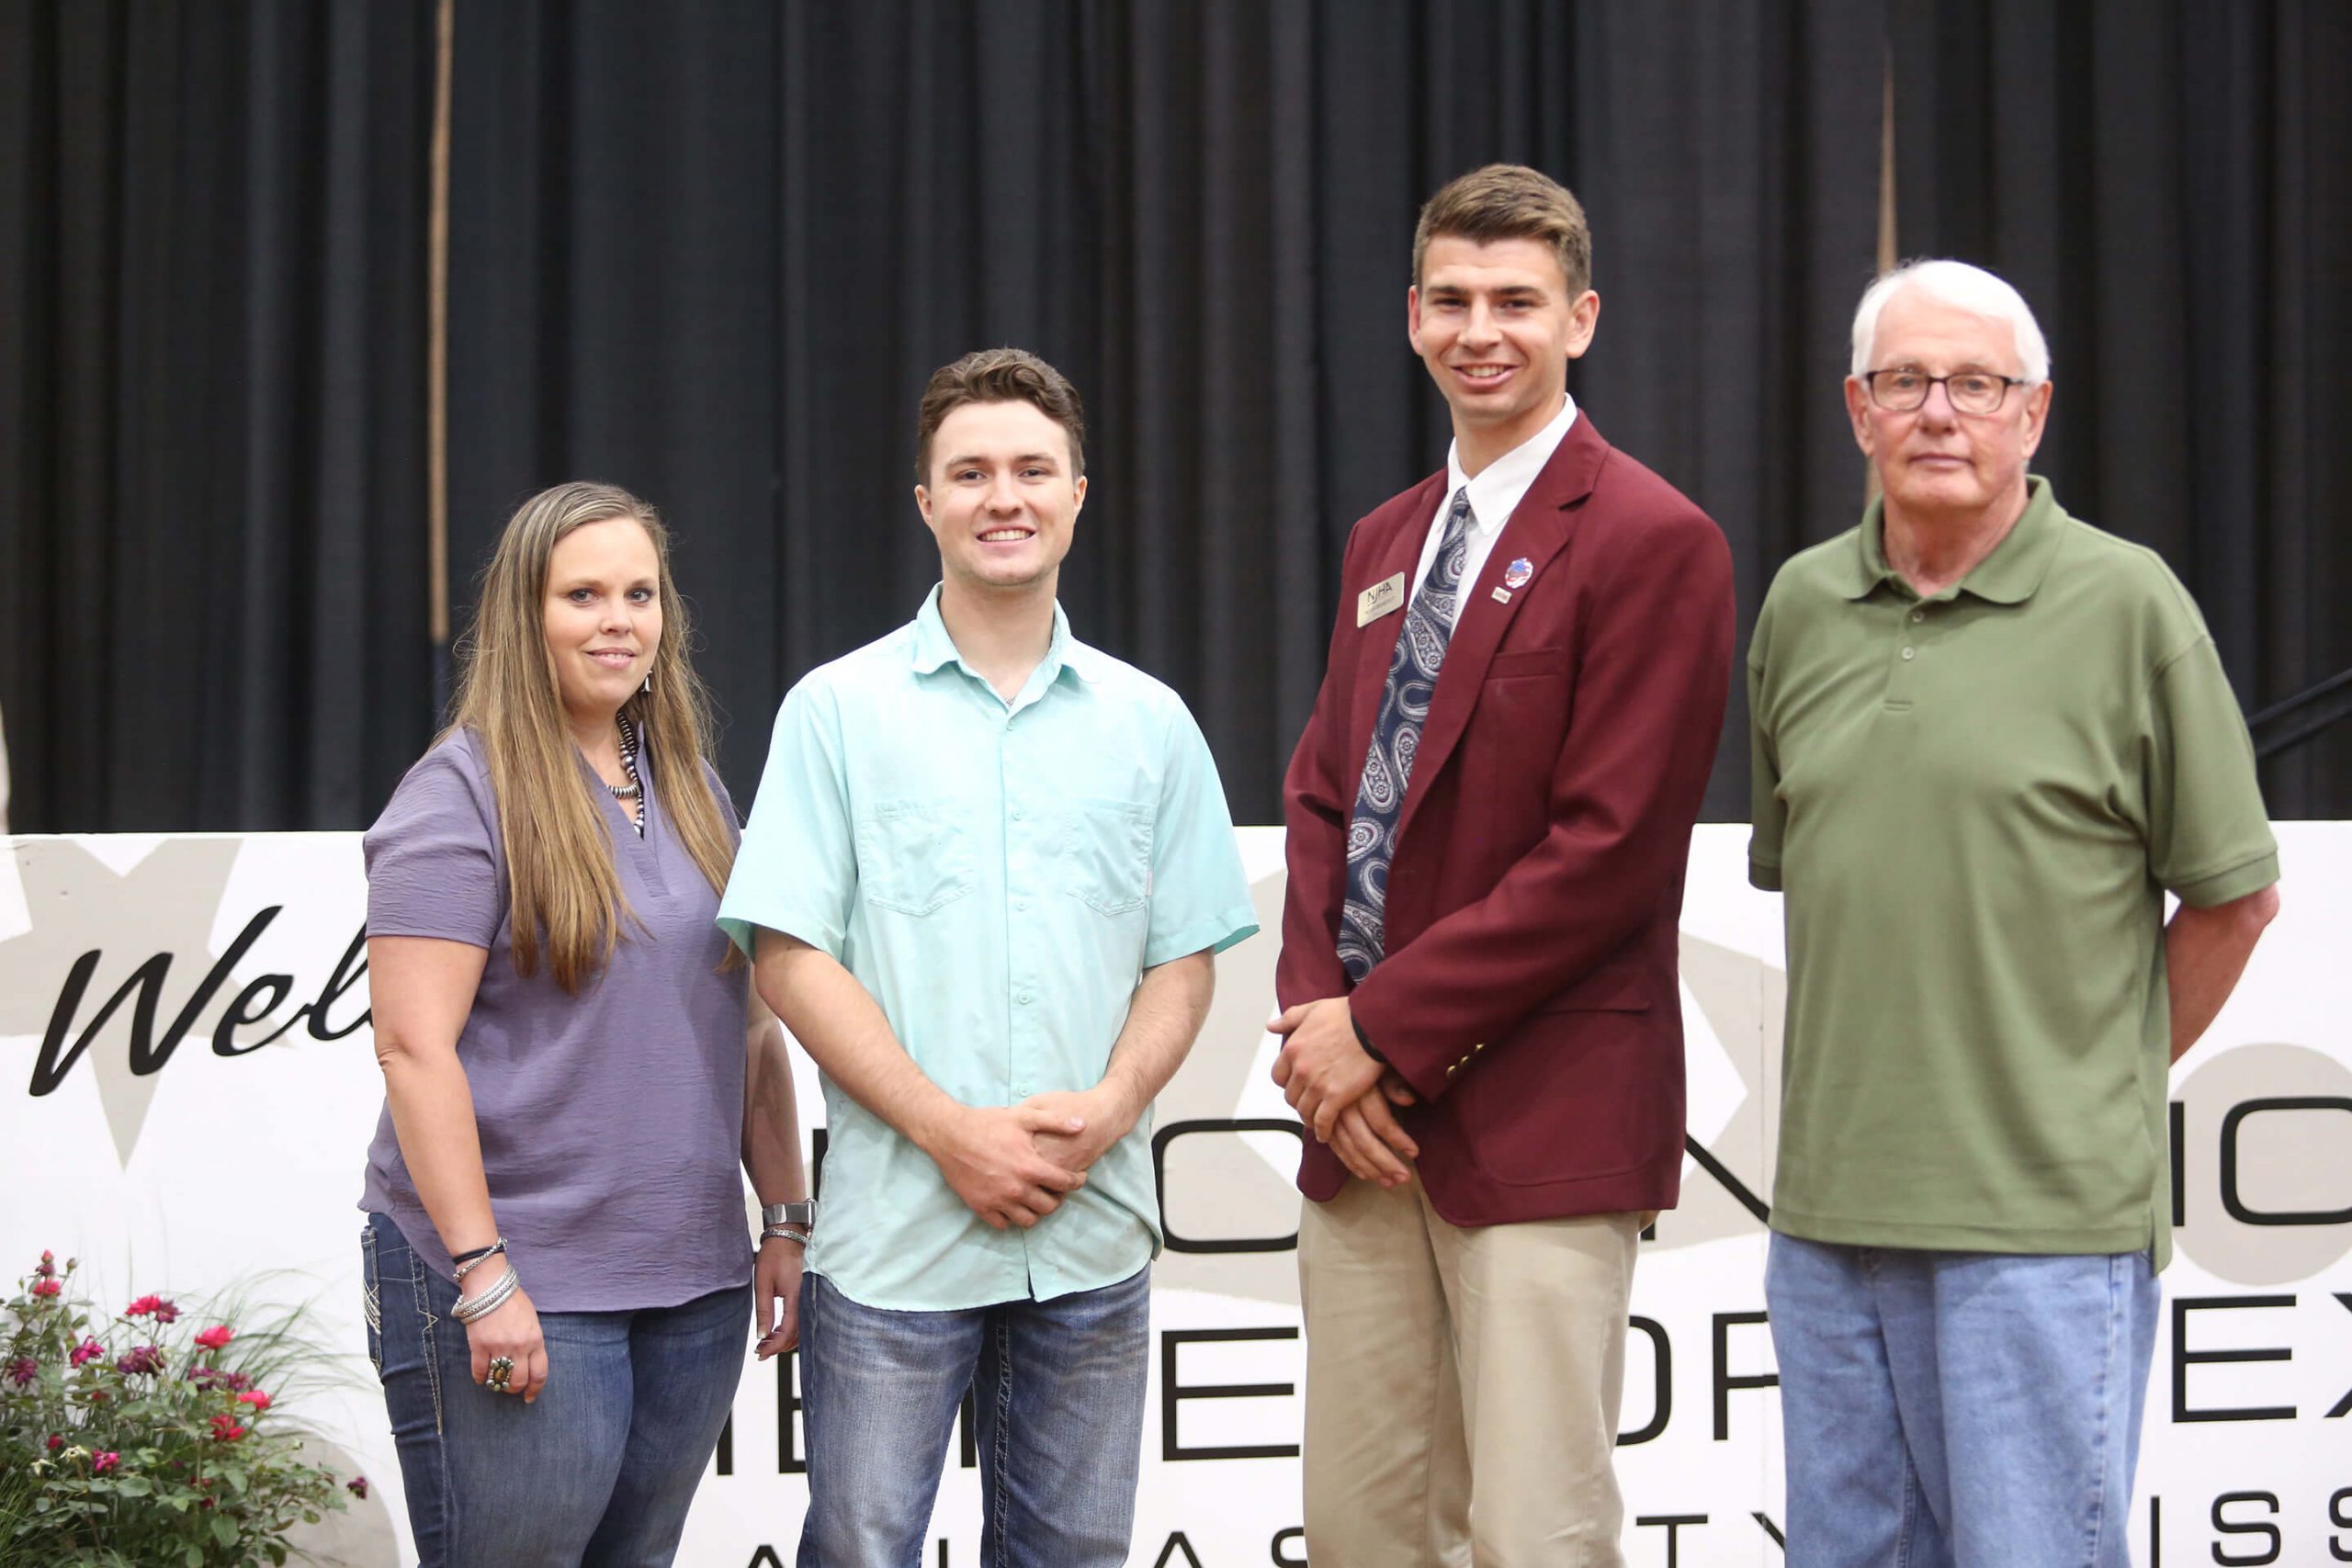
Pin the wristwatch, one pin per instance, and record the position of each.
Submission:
(793, 1222)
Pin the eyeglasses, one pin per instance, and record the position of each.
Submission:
(1904, 389)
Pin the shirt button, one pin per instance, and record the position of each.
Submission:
(1910, 652)
(1022, 998)
(1021, 903)
(1016, 814)
(1917, 615)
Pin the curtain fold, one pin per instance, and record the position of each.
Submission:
(711, 252)
(211, 379)
(2169, 183)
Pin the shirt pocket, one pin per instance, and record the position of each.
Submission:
(915, 856)
(1106, 853)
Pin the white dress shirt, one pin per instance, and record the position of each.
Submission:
(1495, 494)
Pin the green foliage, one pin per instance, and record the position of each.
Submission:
(148, 1437)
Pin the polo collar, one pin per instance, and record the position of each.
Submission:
(2009, 576)
(932, 648)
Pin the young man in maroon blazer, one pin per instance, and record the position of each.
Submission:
(1488, 818)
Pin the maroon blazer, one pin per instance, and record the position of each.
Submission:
(1528, 993)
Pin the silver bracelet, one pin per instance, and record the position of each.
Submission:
(479, 1258)
(787, 1233)
(489, 1301)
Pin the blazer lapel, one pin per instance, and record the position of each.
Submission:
(1537, 531)
(1402, 554)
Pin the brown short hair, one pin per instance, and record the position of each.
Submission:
(1509, 202)
(999, 376)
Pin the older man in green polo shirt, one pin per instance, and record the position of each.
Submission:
(1988, 739)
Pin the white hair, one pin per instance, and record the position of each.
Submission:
(1955, 283)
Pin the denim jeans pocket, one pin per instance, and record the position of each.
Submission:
(371, 1299)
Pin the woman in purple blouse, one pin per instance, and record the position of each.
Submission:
(557, 1268)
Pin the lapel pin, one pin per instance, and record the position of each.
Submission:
(1518, 573)
(1502, 595)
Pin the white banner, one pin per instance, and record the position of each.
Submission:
(187, 1090)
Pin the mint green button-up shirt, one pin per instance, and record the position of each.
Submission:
(998, 875)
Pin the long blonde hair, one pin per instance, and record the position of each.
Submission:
(564, 887)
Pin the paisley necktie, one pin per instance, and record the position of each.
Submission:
(1396, 736)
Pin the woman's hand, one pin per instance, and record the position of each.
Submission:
(775, 1296)
(512, 1330)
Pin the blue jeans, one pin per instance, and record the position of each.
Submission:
(600, 1470)
(1959, 1409)
(1058, 1389)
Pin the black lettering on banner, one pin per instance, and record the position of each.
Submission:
(2155, 1531)
(789, 1459)
(1176, 1543)
(764, 1557)
(2179, 1123)
(344, 976)
(943, 1551)
(818, 1143)
(1662, 1356)
(1173, 1392)
(2337, 1411)
(2230, 1199)
(2183, 1357)
(2251, 1526)
(1724, 1381)
(148, 1054)
(1706, 1159)
(2336, 1516)
(242, 1011)
(1769, 1528)
(1282, 1558)
(1673, 1524)
(724, 1459)
(347, 971)
(1175, 1129)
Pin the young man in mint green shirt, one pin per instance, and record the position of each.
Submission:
(987, 874)
(1988, 739)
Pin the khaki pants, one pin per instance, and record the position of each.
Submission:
(1461, 1384)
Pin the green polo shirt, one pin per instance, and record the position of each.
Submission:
(1973, 805)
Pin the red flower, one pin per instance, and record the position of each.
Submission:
(55, 1442)
(46, 1287)
(143, 1359)
(215, 1337)
(23, 1369)
(255, 1397)
(47, 1264)
(358, 1487)
(225, 1429)
(88, 1351)
(102, 1463)
(156, 1307)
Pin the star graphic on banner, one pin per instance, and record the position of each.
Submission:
(1743, 999)
(167, 903)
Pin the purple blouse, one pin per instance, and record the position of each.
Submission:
(611, 1123)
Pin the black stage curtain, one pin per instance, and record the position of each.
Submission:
(711, 251)
(213, 333)
(2169, 182)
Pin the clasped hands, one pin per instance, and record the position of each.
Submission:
(1342, 1094)
(1012, 1165)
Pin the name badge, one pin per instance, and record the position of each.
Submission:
(1379, 598)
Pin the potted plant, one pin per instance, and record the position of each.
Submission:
(155, 1437)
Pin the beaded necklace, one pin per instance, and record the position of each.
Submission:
(632, 794)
